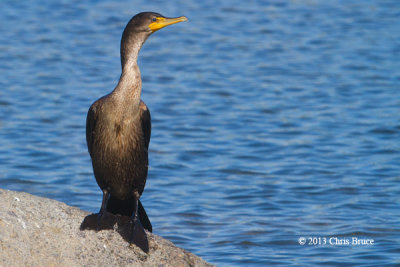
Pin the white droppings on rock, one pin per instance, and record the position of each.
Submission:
(22, 223)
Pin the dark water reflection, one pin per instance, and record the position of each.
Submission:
(271, 121)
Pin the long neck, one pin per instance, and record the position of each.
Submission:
(129, 86)
(131, 43)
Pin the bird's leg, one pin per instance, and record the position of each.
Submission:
(106, 196)
(138, 235)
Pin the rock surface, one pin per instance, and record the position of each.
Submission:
(36, 231)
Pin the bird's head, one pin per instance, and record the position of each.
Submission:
(139, 28)
(150, 22)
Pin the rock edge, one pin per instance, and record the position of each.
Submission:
(36, 231)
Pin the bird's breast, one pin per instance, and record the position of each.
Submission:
(120, 136)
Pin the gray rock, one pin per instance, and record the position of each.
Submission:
(36, 231)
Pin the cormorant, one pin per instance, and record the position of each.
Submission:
(118, 130)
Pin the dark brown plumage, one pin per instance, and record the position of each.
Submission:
(118, 129)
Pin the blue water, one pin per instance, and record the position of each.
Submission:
(272, 120)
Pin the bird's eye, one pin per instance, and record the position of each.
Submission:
(154, 19)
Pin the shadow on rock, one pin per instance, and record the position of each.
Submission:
(122, 224)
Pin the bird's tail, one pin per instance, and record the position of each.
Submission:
(127, 208)
(144, 219)
(139, 237)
